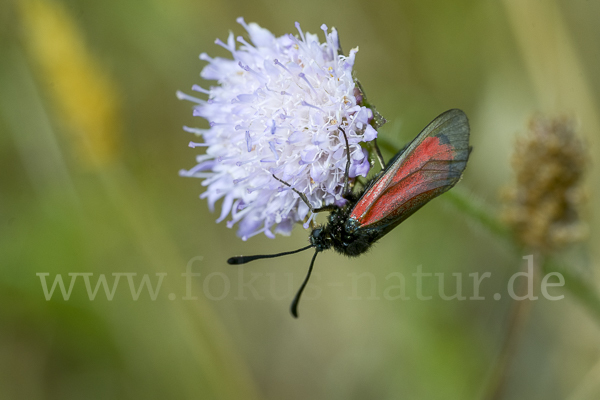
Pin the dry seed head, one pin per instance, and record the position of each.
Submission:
(543, 206)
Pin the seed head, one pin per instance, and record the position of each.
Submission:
(543, 206)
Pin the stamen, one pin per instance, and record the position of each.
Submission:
(269, 234)
(336, 40)
(237, 213)
(240, 20)
(184, 96)
(246, 237)
(197, 88)
(303, 77)
(288, 209)
(254, 189)
(296, 137)
(203, 157)
(324, 29)
(240, 163)
(226, 47)
(193, 145)
(248, 45)
(253, 72)
(320, 70)
(197, 112)
(236, 181)
(300, 30)
(187, 174)
(333, 48)
(213, 123)
(209, 182)
(272, 146)
(248, 141)
(304, 103)
(196, 131)
(244, 98)
(241, 206)
(203, 166)
(276, 62)
(223, 158)
(306, 225)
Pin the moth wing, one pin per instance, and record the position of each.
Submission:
(430, 165)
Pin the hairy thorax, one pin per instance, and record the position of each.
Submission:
(342, 233)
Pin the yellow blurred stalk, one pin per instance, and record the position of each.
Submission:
(86, 101)
(85, 98)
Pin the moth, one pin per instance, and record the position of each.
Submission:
(432, 163)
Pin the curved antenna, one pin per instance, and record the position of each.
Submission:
(294, 306)
(245, 259)
(346, 192)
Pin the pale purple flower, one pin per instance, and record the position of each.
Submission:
(278, 109)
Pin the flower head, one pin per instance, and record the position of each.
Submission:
(278, 111)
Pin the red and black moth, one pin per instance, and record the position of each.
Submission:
(427, 167)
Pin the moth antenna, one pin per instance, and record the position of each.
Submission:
(294, 306)
(302, 195)
(246, 259)
(330, 207)
(378, 154)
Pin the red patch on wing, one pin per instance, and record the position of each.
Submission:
(407, 186)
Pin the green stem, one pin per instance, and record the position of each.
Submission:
(477, 210)
(578, 285)
(516, 322)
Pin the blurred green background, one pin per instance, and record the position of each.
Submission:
(91, 145)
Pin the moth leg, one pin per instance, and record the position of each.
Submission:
(302, 195)
(378, 154)
(347, 190)
(305, 200)
(361, 181)
(330, 207)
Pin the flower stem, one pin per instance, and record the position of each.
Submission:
(517, 319)
(578, 285)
